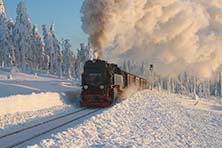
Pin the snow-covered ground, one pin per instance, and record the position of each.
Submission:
(146, 119)
(28, 98)
(13, 82)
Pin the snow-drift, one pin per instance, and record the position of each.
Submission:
(26, 103)
(28, 98)
(147, 119)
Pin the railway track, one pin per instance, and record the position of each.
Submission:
(19, 137)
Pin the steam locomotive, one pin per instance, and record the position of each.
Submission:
(103, 83)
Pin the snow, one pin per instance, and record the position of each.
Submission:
(25, 103)
(21, 83)
(13, 122)
(146, 119)
(29, 98)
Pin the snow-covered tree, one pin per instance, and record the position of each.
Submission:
(219, 85)
(58, 57)
(73, 65)
(142, 69)
(67, 54)
(11, 52)
(4, 46)
(38, 49)
(78, 68)
(89, 52)
(49, 49)
(23, 31)
(83, 55)
(59, 63)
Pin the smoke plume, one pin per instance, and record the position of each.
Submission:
(175, 35)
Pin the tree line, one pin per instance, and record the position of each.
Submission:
(22, 46)
(184, 83)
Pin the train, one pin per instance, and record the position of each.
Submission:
(103, 83)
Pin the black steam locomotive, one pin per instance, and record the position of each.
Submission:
(103, 82)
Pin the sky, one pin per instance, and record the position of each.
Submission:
(64, 13)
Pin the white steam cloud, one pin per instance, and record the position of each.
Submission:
(175, 35)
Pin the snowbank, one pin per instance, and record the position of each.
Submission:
(29, 98)
(27, 103)
(146, 119)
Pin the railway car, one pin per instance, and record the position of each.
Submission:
(103, 83)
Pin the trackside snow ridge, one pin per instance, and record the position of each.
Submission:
(25, 103)
(147, 119)
(22, 110)
(26, 99)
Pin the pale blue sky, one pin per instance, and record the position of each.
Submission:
(64, 13)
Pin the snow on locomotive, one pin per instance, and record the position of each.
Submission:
(103, 83)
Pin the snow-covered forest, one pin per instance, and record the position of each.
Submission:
(22, 46)
(183, 83)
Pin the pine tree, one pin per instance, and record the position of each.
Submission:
(38, 49)
(83, 55)
(142, 69)
(59, 63)
(67, 58)
(4, 45)
(219, 86)
(11, 52)
(57, 58)
(23, 31)
(194, 86)
(73, 65)
(49, 49)
(89, 52)
(78, 68)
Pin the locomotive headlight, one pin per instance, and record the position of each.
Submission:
(101, 87)
(85, 87)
